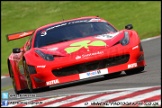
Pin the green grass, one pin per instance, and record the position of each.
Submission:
(19, 16)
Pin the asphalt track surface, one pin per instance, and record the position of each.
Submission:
(150, 77)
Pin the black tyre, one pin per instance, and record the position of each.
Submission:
(29, 83)
(13, 80)
(134, 71)
(112, 75)
(45, 88)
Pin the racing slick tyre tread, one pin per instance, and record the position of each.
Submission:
(134, 71)
(29, 83)
(13, 81)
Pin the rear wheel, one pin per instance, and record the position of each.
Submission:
(134, 71)
(29, 82)
(13, 80)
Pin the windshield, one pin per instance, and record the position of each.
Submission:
(69, 31)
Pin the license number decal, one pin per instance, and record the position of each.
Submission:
(93, 73)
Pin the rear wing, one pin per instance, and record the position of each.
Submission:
(19, 35)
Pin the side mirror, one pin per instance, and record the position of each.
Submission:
(16, 50)
(129, 27)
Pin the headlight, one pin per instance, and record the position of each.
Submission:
(45, 56)
(125, 40)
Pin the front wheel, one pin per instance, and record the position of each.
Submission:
(29, 82)
(134, 71)
(13, 80)
(112, 75)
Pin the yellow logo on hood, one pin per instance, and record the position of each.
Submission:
(78, 45)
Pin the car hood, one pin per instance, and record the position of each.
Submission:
(90, 44)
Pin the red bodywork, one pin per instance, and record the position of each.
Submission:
(48, 72)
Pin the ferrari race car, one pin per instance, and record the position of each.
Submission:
(73, 50)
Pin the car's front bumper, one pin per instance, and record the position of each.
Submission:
(121, 59)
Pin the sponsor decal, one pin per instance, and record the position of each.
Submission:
(132, 65)
(43, 33)
(84, 44)
(41, 66)
(78, 57)
(135, 47)
(24, 34)
(93, 73)
(107, 36)
(89, 54)
(52, 82)
(94, 20)
(59, 25)
(77, 21)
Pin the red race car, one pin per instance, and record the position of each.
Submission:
(72, 50)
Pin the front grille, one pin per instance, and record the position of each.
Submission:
(89, 66)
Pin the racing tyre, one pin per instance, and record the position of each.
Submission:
(29, 82)
(45, 88)
(134, 71)
(112, 75)
(13, 81)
